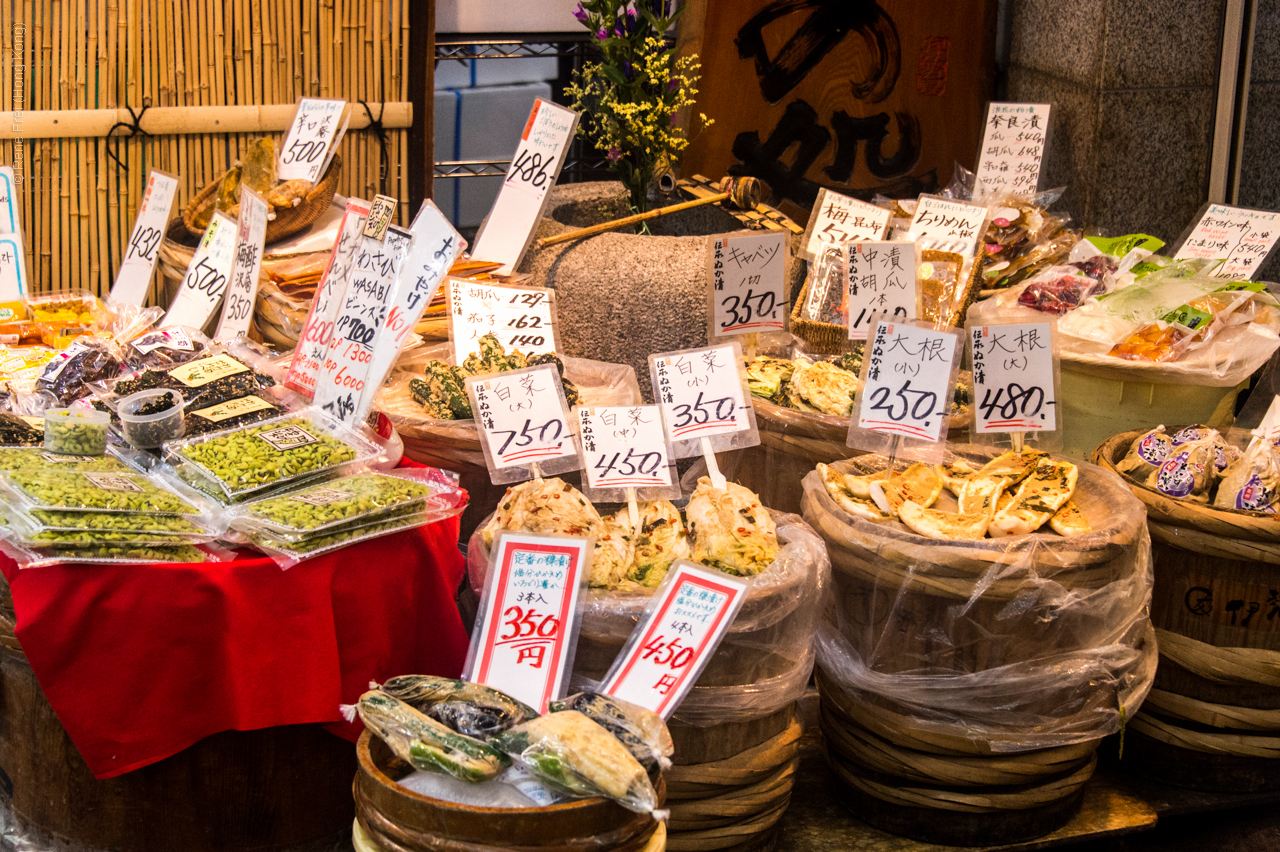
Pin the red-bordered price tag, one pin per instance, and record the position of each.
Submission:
(524, 640)
(680, 630)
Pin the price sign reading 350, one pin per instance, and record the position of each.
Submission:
(748, 280)
(625, 447)
(701, 393)
(1013, 378)
(908, 381)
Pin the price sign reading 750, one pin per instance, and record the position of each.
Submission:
(524, 423)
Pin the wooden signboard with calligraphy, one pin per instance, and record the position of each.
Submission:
(859, 96)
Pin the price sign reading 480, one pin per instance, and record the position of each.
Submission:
(667, 652)
(521, 641)
(908, 381)
(523, 418)
(1013, 378)
(748, 280)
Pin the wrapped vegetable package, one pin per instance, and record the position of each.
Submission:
(641, 731)
(763, 663)
(1011, 644)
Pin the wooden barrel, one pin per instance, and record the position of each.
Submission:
(946, 789)
(400, 820)
(1213, 719)
(284, 789)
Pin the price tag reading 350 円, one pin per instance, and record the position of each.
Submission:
(523, 642)
(1013, 378)
(523, 421)
(702, 394)
(747, 283)
(908, 372)
(626, 446)
(690, 614)
(521, 318)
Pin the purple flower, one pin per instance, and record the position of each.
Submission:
(671, 87)
(603, 35)
(581, 14)
(614, 154)
(628, 71)
(674, 118)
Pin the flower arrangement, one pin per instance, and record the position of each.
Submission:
(631, 97)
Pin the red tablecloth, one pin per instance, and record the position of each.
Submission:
(142, 661)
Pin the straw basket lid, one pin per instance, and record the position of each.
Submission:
(288, 220)
(1197, 517)
(954, 567)
(398, 818)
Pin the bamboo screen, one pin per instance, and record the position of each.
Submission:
(77, 206)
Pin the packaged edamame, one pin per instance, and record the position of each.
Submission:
(93, 491)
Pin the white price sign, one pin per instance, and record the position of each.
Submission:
(703, 395)
(8, 202)
(838, 219)
(306, 148)
(1240, 237)
(134, 276)
(908, 374)
(523, 421)
(747, 283)
(345, 374)
(507, 231)
(625, 446)
(691, 612)
(1013, 378)
(308, 357)
(242, 290)
(952, 225)
(880, 283)
(521, 318)
(13, 265)
(205, 282)
(523, 641)
(435, 246)
(1013, 148)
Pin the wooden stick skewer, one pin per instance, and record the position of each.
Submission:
(741, 192)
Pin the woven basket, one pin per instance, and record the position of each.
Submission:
(288, 220)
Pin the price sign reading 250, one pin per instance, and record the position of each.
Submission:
(907, 391)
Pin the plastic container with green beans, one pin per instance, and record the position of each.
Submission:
(99, 492)
(270, 454)
(76, 432)
(32, 458)
(335, 503)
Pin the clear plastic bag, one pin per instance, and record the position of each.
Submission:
(1012, 644)
(425, 743)
(107, 523)
(270, 454)
(88, 491)
(345, 502)
(641, 731)
(21, 458)
(289, 553)
(68, 375)
(765, 659)
(570, 754)
(166, 347)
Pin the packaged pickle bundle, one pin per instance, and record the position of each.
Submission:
(273, 454)
(90, 491)
(337, 513)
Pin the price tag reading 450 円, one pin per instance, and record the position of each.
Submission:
(747, 281)
(626, 446)
(523, 642)
(688, 617)
(1013, 378)
(523, 422)
(703, 394)
(907, 374)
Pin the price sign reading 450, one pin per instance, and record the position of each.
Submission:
(624, 447)
(1015, 378)
(746, 283)
(524, 423)
(908, 372)
(703, 395)
(523, 641)
(681, 628)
